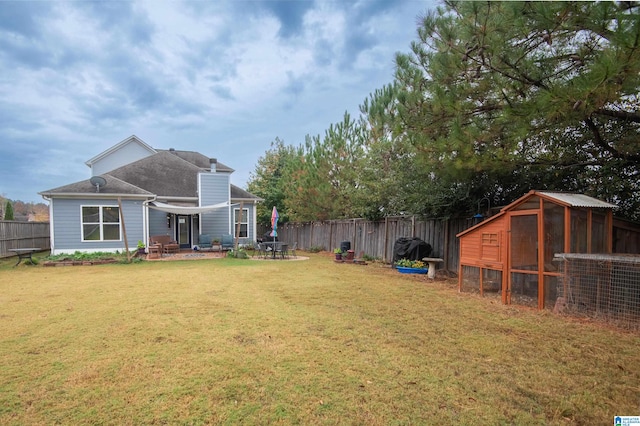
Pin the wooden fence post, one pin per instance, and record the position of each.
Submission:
(354, 236)
(445, 253)
(386, 235)
(413, 226)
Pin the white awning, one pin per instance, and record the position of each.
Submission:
(170, 208)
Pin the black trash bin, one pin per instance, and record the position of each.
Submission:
(345, 246)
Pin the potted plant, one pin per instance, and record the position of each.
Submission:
(141, 247)
(338, 253)
(406, 266)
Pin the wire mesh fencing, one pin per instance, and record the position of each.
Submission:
(482, 281)
(600, 286)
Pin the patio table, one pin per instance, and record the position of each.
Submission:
(25, 253)
(275, 246)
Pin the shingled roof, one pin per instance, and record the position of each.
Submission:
(239, 193)
(199, 160)
(163, 174)
(113, 186)
(168, 173)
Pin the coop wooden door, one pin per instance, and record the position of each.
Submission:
(522, 279)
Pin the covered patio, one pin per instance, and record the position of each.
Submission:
(188, 254)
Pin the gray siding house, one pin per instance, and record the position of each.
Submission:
(139, 191)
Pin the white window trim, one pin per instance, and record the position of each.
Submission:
(245, 220)
(100, 223)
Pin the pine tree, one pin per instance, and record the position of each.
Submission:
(504, 97)
(8, 211)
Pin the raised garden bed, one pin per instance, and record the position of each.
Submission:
(85, 259)
(79, 262)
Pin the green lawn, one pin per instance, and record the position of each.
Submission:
(230, 341)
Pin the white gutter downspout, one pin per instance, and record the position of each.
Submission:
(255, 220)
(51, 239)
(145, 221)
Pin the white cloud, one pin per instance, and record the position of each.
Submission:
(223, 78)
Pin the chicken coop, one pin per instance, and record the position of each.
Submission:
(511, 254)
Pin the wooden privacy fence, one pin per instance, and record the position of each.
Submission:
(377, 238)
(15, 234)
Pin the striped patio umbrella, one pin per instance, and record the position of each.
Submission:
(274, 223)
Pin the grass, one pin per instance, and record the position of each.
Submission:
(230, 341)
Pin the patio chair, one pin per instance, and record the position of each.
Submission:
(227, 242)
(282, 250)
(168, 245)
(260, 250)
(205, 241)
(293, 249)
(269, 250)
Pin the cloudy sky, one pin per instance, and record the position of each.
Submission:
(222, 78)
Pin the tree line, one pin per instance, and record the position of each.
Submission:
(493, 99)
(20, 210)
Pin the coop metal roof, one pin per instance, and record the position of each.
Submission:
(577, 200)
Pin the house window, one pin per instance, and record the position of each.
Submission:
(243, 222)
(100, 223)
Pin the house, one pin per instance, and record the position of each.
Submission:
(136, 191)
(512, 253)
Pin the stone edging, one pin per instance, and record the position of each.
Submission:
(79, 262)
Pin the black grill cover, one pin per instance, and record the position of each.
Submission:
(410, 248)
